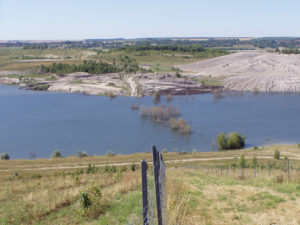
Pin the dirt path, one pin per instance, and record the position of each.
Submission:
(133, 86)
(130, 163)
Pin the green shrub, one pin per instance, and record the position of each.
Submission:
(178, 75)
(230, 141)
(110, 153)
(242, 162)
(156, 97)
(91, 169)
(277, 155)
(85, 200)
(36, 176)
(123, 169)
(113, 169)
(82, 154)
(4, 156)
(91, 202)
(110, 169)
(133, 167)
(254, 162)
(56, 154)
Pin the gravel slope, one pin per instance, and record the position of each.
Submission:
(247, 71)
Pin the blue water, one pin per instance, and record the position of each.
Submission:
(40, 122)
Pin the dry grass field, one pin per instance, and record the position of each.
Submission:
(202, 188)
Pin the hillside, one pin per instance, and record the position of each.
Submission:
(251, 71)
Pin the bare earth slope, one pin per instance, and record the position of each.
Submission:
(248, 71)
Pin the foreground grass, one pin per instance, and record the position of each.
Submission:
(228, 200)
(200, 189)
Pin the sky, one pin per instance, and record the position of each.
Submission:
(83, 19)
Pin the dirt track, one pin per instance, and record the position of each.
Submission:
(130, 163)
(252, 70)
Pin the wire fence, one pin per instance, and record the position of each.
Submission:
(154, 193)
(271, 171)
(150, 189)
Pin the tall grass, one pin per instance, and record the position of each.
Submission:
(168, 115)
(159, 114)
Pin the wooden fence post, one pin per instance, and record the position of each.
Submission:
(234, 169)
(255, 172)
(156, 180)
(288, 167)
(269, 168)
(144, 191)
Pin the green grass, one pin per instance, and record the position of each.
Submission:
(161, 61)
(124, 210)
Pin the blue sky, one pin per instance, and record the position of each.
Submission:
(79, 19)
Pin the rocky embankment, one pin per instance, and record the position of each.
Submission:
(114, 84)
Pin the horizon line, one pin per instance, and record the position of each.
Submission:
(137, 38)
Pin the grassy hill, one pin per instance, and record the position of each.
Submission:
(201, 188)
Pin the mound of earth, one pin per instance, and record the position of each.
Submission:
(251, 71)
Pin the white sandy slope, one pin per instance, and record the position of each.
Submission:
(247, 71)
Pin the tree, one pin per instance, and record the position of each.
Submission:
(235, 141)
(231, 141)
(222, 141)
(4, 156)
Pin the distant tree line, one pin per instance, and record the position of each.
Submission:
(231, 43)
(165, 47)
(87, 66)
(127, 65)
(42, 46)
(288, 51)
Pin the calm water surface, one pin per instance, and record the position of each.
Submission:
(40, 122)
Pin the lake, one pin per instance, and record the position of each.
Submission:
(40, 122)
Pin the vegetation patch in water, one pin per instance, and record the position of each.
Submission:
(168, 115)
